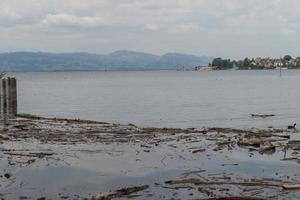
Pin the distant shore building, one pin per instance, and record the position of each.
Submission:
(209, 67)
(272, 63)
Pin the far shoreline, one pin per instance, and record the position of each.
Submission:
(148, 70)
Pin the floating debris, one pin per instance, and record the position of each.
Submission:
(120, 192)
(262, 115)
(33, 141)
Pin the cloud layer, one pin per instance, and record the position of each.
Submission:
(233, 28)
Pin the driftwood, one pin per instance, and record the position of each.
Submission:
(250, 141)
(236, 198)
(262, 115)
(56, 130)
(198, 150)
(120, 192)
(229, 130)
(253, 132)
(294, 144)
(36, 117)
(172, 130)
(285, 186)
(199, 182)
(263, 144)
(267, 146)
(291, 186)
(31, 154)
(4, 137)
(288, 159)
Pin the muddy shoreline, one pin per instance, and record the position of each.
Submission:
(39, 158)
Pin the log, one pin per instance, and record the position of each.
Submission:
(4, 137)
(262, 115)
(198, 150)
(236, 198)
(291, 186)
(199, 182)
(120, 192)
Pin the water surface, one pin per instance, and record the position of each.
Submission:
(165, 98)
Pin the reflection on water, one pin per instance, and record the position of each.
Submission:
(84, 170)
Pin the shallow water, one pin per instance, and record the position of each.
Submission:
(165, 98)
(80, 174)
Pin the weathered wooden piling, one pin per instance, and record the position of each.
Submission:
(1, 107)
(4, 98)
(4, 95)
(14, 97)
(8, 98)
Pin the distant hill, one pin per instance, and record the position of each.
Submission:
(119, 60)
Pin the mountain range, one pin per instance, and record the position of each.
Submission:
(118, 60)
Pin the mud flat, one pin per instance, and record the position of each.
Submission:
(49, 158)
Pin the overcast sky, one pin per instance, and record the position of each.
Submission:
(228, 28)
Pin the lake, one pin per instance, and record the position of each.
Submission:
(83, 162)
(164, 98)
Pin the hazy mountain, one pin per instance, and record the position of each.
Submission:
(119, 60)
(178, 60)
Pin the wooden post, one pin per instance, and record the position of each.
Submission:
(1, 97)
(4, 101)
(14, 97)
(9, 97)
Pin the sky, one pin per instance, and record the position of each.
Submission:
(226, 28)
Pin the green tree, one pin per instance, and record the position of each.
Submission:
(287, 58)
(227, 64)
(222, 64)
(247, 62)
(217, 62)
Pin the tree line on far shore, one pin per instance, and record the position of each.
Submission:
(256, 63)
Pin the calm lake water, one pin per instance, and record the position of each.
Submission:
(165, 98)
(156, 98)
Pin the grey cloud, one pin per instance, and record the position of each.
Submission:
(67, 20)
(191, 26)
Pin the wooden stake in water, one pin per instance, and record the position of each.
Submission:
(4, 101)
(9, 96)
(14, 97)
(1, 106)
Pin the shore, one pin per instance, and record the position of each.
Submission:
(51, 158)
